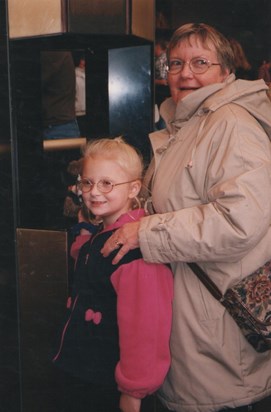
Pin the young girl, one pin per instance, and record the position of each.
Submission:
(116, 335)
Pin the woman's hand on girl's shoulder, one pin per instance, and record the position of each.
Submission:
(125, 238)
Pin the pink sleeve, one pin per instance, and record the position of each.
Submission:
(144, 309)
(77, 244)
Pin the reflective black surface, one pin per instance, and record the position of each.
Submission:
(33, 187)
(118, 102)
(9, 337)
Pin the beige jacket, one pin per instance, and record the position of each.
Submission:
(211, 191)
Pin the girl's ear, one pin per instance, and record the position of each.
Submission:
(135, 188)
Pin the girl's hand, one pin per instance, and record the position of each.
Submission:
(129, 403)
(125, 238)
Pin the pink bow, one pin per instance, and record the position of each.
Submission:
(95, 316)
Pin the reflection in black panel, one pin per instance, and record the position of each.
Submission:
(118, 101)
(119, 94)
(129, 85)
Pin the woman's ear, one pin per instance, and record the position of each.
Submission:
(135, 188)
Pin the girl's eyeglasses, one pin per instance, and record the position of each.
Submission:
(103, 185)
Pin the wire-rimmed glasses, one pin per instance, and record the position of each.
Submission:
(104, 185)
(197, 65)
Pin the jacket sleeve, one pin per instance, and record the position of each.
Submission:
(230, 210)
(144, 311)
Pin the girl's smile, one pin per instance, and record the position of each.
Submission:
(108, 206)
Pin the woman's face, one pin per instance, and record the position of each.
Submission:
(185, 82)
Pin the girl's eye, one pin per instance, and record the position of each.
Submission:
(87, 183)
(106, 183)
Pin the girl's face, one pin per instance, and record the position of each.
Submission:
(185, 82)
(108, 206)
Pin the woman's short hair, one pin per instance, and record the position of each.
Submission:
(240, 59)
(124, 154)
(206, 35)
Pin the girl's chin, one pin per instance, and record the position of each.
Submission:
(96, 211)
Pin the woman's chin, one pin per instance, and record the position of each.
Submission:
(184, 92)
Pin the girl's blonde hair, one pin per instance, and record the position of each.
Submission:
(125, 155)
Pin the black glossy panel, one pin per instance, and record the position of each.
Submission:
(130, 94)
(118, 100)
(9, 341)
(120, 94)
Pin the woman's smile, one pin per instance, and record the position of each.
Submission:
(185, 81)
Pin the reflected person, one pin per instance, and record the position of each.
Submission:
(58, 95)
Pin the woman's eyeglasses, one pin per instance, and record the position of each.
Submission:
(197, 65)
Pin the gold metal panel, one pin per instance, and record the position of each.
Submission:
(42, 269)
(43, 286)
(63, 144)
(42, 255)
(30, 18)
(35, 17)
(143, 19)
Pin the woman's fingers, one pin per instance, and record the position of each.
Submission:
(113, 243)
(123, 250)
(125, 238)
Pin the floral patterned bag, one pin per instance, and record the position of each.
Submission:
(248, 302)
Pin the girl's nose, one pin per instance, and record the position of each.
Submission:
(95, 190)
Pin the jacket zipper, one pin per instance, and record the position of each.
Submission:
(64, 331)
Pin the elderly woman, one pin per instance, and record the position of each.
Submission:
(210, 180)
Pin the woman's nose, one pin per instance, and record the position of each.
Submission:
(186, 71)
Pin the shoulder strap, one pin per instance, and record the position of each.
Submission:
(204, 278)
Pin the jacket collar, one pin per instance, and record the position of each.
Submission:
(131, 216)
(174, 115)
